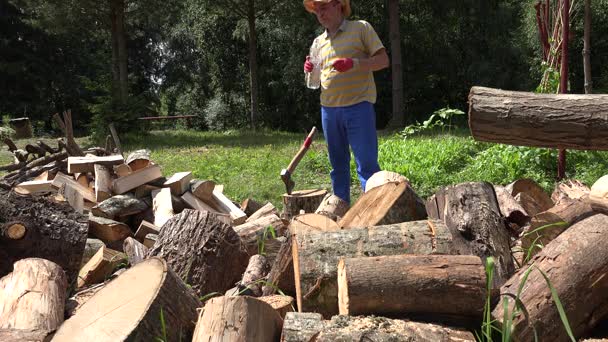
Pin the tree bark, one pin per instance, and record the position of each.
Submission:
(252, 232)
(136, 252)
(540, 120)
(205, 252)
(119, 51)
(53, 231)
(238, 319)
(445, 285)
(318, 254)
(587, 48)
(33, 296)
(472, 209)
(282, 304)
(333, 207)
(310, 327)
(307, 200)
(385, 204)
(398, 119)
(253, 63)
(575, 262)
(138, 159)
(152, 290)
(256, 270)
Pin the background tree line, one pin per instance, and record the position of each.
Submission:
(116, 60)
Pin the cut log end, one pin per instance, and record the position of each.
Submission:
(14, 231)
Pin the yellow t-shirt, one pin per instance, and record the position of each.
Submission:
(354, 39)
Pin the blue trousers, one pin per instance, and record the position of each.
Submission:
(355, 126)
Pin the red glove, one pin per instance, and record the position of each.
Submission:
(343, 64)
(308, 66)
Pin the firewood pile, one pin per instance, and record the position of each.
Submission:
(96, 247)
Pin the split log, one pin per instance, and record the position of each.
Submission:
(451, 286)
(179, 183)
(108, 230)
(318, 254)
(122, 170)
(333, 207)
(267, 209)
(198, 204)
(225, 205)
(472, 209)
(205, 252)
(136, 252)
(256, 270)
(118, 206)
(249, 206)
(281, 275)
(531, 196)
(87, 164)
(25, 335)
(152, 291)
(310, 327)
(114, 134)
(564, 121)
(385, 204)
(90, 249)
(135, 179)
(202, 189)
(61, 180)
(33, 296)
(73, 196)
(138, 159)
(307, 200)
(383, 177)
(75, 302)
(53, 231)
(144, 229)
(509, 208)
(547, 225)
(311, 223)
(145, 190)
(282, 304)
(576, 263)
(237, 319)
(570, 189)
(162, 206)
(251, 233)
(103, 183)
(34, 187)
(598, 196)
(150, 240)
(100, 267)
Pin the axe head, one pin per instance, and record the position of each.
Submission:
(286, 177)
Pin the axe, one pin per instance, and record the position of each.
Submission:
(286, 173)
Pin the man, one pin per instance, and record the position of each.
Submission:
(350, 52)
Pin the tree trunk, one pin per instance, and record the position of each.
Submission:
(472, 209)
(256, 270)
(587, 48)
(251, 233)
(253, 63)
(205, 252)
(119, 51)
(398, 119)
(53, 231)
(318, 254)
(333, 207)
(385, 204)
(540, 120)
(310, 327)
(307, 200)
(576, 263)
(136, 252)
(238, 319)
(445, 285)
(160, 305)
(33, 296)
(281, 274)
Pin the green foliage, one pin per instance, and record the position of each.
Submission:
(441, 118)
(163, 328)
(268, 231)
(6, 132)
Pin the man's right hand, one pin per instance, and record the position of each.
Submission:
(308, 66)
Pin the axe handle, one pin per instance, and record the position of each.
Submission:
(296, 159)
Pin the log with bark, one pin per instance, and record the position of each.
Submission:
(530, 195)
(570, 189)
(205, 252)
(138, 159)
(575, 263)
(318, 254)
(252, 233)
(153, 293)
(472, 209)
(33, 296)
(430, 286)
(385, 204)
(252, 282)
(136, 252)
(564, 121)
(100, 266)
(333, 207)
(53, 231)
(282, 304)
(119, 205)
(108, 230)
(310, 327)
(306, 200)
(250, 206)
(383, 177)
(25, 335)
(509, 208)
(265, 210)
(281, 274)
(238, 319)
(598, 196)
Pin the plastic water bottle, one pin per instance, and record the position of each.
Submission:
(313, 79)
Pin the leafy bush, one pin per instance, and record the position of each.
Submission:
(440, 119)
(225, 111)
(6, 132)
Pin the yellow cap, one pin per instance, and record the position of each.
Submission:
(309, 5)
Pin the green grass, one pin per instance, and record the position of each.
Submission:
(249, 163)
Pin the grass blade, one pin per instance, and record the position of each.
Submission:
(558, 303)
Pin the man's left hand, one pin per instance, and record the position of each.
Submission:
(343, 64)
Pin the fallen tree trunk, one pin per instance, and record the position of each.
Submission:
(318, 254)
(310, 327)
(541, 120)
(33, 296)
(205, 252)
(444, 285)
(53, 231)
(576, 263)
(152, 291)
(238, 319)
